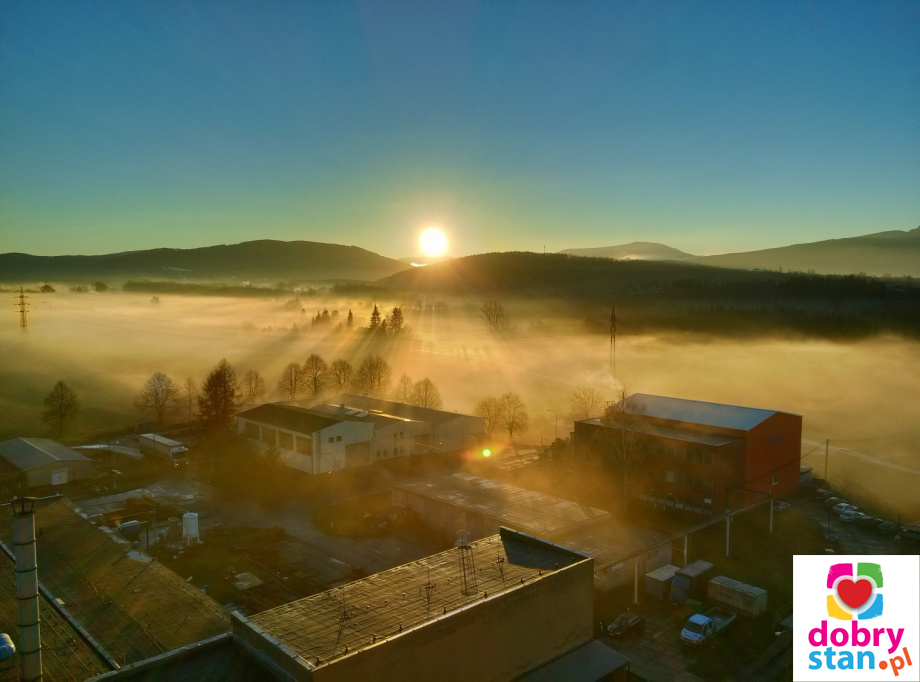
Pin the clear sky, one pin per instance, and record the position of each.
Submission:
(710, 126)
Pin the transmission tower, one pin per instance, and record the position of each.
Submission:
(23, 310)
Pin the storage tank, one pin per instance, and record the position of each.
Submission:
(190, 528)
(744, 598)
(7, 648)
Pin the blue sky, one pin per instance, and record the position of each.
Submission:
(710, 126)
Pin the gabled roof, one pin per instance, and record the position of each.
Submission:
(696, 412)
(289, 417)
(31, 453)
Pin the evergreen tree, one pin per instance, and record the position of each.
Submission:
(375, 319)
(350, 323)
(395, 325)
(220, 398)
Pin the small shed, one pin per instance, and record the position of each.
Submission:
(42, 461)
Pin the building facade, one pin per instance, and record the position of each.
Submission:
(701, 458)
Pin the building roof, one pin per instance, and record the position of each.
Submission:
(386, 605)
(31, 453)
(509, 505)
(671, 432)
(289, 417)
(610, 542)
(218, 659)
(587, 662)
(721, 416)
(134, 608)
(65, 655)
(401, 410)
(352, 414)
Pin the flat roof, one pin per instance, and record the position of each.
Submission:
(609, 541)
(355, 415)
(402, 410)
(671, 432)
(289, 417)
(134, 608)
(721, 416)
(509, 505)
(383, 606)
(588, 662)
(31, 453)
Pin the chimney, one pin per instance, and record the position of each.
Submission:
(30, 646)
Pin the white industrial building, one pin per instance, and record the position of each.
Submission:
(350, 431)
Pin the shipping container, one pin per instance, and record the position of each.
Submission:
(743, 598)
(658, 582)
(689, 582)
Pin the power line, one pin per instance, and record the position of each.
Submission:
(23, 310)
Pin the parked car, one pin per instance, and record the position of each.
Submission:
(780, 506)
(624, 623)
(831, 501)
(867, 522)
(830, 535)
(850, 516)
(821, 493)
(844, 507)
(887, 528)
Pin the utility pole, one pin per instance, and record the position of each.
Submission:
(827, 444)
(23, 310)
(613, 339)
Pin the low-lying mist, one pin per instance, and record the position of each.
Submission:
(863, 396)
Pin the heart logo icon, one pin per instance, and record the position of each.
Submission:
(855, 594)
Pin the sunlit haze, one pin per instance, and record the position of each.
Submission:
(433, 242)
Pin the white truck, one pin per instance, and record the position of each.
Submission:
(169, 450)
(700, 627)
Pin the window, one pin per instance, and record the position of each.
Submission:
(775, 479)
(268, 436)
(252, 431)
(304, 445)
(285, 440)
(332, 439)
(338, 438)
(669, 476)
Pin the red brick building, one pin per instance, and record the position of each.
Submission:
(695, 456)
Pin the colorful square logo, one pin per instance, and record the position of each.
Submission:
(855, 595)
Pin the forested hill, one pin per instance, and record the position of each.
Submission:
(256, 260)
(667, 295)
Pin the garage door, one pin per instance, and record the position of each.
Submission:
(59, 477)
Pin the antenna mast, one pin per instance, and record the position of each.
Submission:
(23, 310)
(467, 566)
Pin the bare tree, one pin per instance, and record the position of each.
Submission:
(513, 414)
(189, 394)
(292, 381)
(494, 315)
(341, 374)
(159, 395)
(220, 396)
(253, 386)
(61, 407)
(374, 375)
(490, 410)
(404, 389)
(316, 372)
(426, 394)
(621, 438)
(585, 402)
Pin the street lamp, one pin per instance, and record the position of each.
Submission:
(22, 506)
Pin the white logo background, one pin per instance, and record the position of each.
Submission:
(901, 575)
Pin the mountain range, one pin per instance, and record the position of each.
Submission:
(264, 259)
(895, 253)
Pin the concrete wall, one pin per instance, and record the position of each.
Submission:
(498, 638)
(43, 475)
(623, 573)
(462, 432)
(399, 440)
(330, 444)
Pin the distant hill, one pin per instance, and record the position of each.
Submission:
(894, 253)
(260, 260)
(633, 251)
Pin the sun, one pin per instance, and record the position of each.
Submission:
(433, 241)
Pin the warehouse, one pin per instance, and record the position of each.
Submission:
(452, 501)
(34, 462)
(694, 456)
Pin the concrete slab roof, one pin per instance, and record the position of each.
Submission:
(31, 453)
(721, 416)
(509, 505)
(339, 622)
